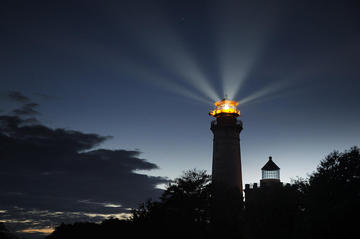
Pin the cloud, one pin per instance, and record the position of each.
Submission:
(27, 109)
(41, 222)
(18, 97)
(59, 172)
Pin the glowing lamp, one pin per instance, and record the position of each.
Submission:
(225, 107)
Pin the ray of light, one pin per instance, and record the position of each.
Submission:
(265, 92)
(167, 47)
(241, 36)
(148, 75)
(174, 57)
(234, 73)
(180, 90)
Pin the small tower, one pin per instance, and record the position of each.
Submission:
(270, 174)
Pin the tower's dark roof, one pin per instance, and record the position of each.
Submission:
(270, 165)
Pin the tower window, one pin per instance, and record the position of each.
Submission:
(270, 174)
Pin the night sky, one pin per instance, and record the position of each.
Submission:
(100, 101)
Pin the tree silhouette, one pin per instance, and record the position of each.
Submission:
(326, 205)
(4, 232)
(183, 208)
(110, 228)
(182, 211)
(331, 196)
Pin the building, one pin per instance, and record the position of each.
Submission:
(271, 208)
(270, 178)
(270, 174)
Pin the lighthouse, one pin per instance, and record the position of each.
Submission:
(226, 165)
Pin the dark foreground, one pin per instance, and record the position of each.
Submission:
(326, 205)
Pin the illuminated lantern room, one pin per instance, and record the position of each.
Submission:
(270, 174)
(225, 107)
(270, 171)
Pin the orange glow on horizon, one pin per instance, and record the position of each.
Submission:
(225, 107)
(46, 230)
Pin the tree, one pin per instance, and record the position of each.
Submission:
(331, 196)
(182, 211)
(4, 232)
(110, 228)
(322, 206)
(183, 208)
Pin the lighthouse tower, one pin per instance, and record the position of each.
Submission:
(226, 164)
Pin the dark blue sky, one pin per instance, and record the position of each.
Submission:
(99, 62)
(102, 64)
(146, 73)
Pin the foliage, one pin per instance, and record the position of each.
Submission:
(322, 206)
(107, 229)
(183, 207)
(331, 196)
(4, 232)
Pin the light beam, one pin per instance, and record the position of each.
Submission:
(264, 92)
